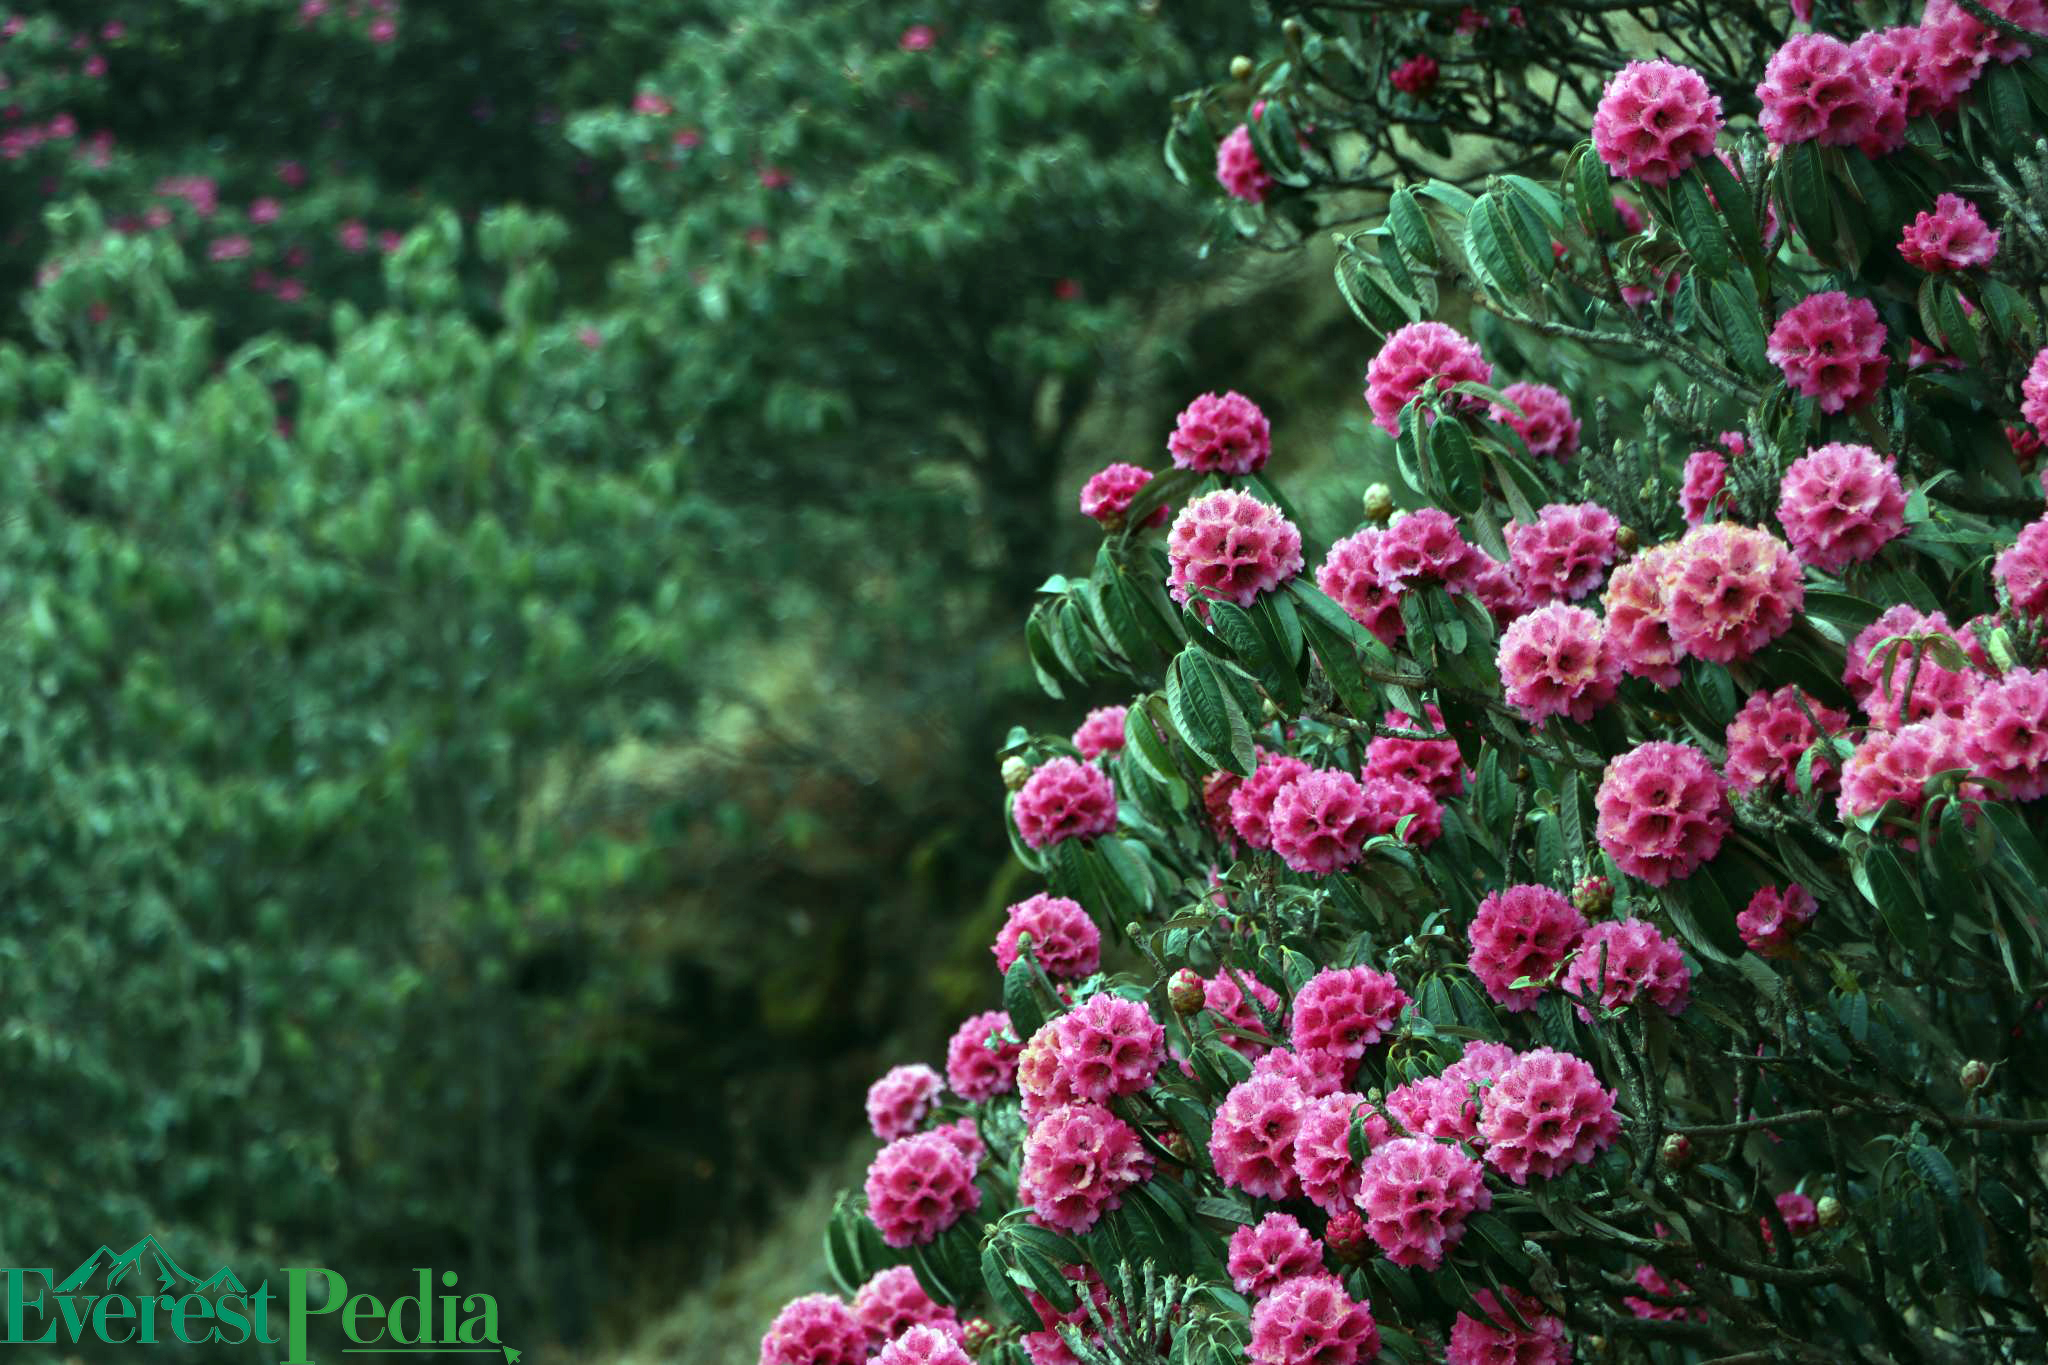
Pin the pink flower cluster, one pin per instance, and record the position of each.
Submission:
(899, 1101)
(923, 1346)
(1620, 960)
(1107, 1046)
(1893, 766)
(1952, 237)
(1555, 662)
(2007, 733)
(1222, 997)
(1321, 821)
(1101, 732)
(1705, 479)
(1065, 941)
(1417, 76)
(1251, 1141)
(1350, 576)
(1224, 434)
(1432, 763)
(1840, 504)
(1109, 491)
(1266, 1254)
(1500, 1338)
(1771, 732)
(2022, 570)
(1251, 803)
(1418, 361)
(1546, 1114)
(1346, 1010)
(1831, 348)
(1638, 627)
(1815, 90)
(1444, 1105)
(892, 1302)
(1078, 1161)
(1417, 1195)
(1238, 168)
(817, 1329)
(1231, 546)
(976, 1070)
(1774, 917)
(1934, 688)
(1655, 118)
(1663, 811)
(2034, 394)
(1323, 1162)
(1546, 424)
(1562, 555)
(1522, 931)
(1312, 1320)
(1063, 799)
(919, 1186)
(1730, 591)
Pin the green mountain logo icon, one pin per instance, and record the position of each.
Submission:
(145, 1268)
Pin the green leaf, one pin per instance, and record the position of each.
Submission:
(1004, 1291)
(1806, 197)
(1742, 326)
(1457, 484)
(1593, 193)
(1699, 227)
(1205, 712)
(1738, 209)
(1881, 875)
(1490, 246)
(1411, 228)
(1020, 998)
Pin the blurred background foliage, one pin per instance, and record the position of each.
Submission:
(515, 534)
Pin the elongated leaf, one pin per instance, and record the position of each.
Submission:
(1205, 711)
(1411, 228)
(1700, 227)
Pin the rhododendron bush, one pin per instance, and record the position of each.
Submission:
(1596, 911)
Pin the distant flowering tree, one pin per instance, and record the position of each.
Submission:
(1596, 913)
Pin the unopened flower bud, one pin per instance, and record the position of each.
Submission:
(1593, 895)
(1379, 502)
(1626, 540)
(1185, 991)
(1974, 1076)
(1345, 1237)
(976, 1335)
(1016, 772)
(1240, 68)
(1291, 30)
(1830, 1211)
(1677, 1153)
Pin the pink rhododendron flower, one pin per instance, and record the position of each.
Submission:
(1222, 997)
(1768, 735)
(1350, 576)
(1224, 434)
(2034, 394)
(353, 236)
(1894, 765)
(924, 1346)
(1904, 59)
(1655, 119)
(1251, 1141)
(975, 1070)
(1935, 689)
(1774, 917)
(1963, 38)
(1522, 931)
(1320, 822)
(1638, 628)
(2022, 570)
(1731, 590)
(1445, 1105)
(1047, 1347)
(1706, 476)
(1564, 553)
(1434, 763)
(1417, 76)
(1663, 811)
(1065, 941)
(1952, 237)
(1315, 1073)
(1251, 804)
(1546, 425)
(1890, 61)
(1554, 662)
(1102, 732)
(1346, 1010)
(817, 1329)
(1418, 1194)
(1108, 1046)
(1648, 1280)
(1266, 1254)
(230, 248)
(1831, 348)
(892, 1302)
(1322, 1148)
(1815, 90)
(1231, 546)
(1494, 585)
(1799, 1212)
(1546, 1114)
(1238, 168)
(1840, 504)
(1419, 360)
(917, 38)
(2006, 732)
(919, 1186)
(1064, 798)
(1078, 1161)
(1390, 800)
(898, 1102)
(1620, 960)
(1500, 1339)
(1312, 1320)
(1425, 546)
(1109, 491)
